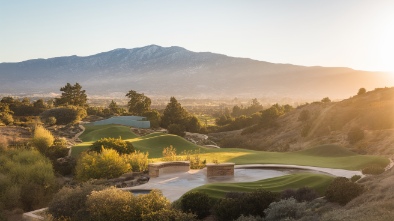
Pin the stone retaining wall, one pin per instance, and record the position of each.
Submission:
(222, 169)
(157, 169)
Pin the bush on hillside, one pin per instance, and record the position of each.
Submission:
(64, 115)
(286, 209)
(105, 165)
(137, 160)
(197, 203)
(249, 218)
(301, 195)
(253, 203)
(121, 146)
(373, 170)
(177, 129)
(354, 135)
(342, 191)
(354, 178)
(110, 204)
(69, 202)
(169, 215)
(27, 179)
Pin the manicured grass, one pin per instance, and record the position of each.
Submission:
(155, 143)
(330, 156)
(94, 133)
(318, 182)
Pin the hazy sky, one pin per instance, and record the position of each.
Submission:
(352, 33)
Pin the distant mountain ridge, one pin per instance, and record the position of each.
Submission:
(175, 71)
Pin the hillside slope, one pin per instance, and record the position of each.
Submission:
(330, 123)
(175, 71)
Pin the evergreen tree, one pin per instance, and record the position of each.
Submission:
(174, 113)
(139, 103)
(72, 95)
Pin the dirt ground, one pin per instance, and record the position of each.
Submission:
(12, 134)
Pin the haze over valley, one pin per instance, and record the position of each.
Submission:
(174, 71)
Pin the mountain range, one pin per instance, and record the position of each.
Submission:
(175, 71)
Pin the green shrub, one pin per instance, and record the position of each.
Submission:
(27, 179)
(177, 129)
(121, 146)
(110, 204)
(169, 215)
(50, 121)
(301, 195)
(65, 166)
(169, 154)
(355, 134)
(137, 160)
(249, 218)
(252, 203)
(342, 191)
(197, 203)
(42, 139)
(227, 209)
(69, 202)
(373, 170)
(105, 165)
(64, 115)
(287, 209)
(355, 178)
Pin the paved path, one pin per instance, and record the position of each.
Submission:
(174, 185)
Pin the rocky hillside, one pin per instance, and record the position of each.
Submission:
(371, 113)
(175, 71)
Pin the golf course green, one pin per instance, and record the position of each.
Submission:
(329, 156)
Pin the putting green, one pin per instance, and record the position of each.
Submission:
(318, 182)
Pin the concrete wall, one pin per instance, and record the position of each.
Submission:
(131, 121)
(160, 168)
(222, 169)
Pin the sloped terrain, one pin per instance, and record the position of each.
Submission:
(330, 123)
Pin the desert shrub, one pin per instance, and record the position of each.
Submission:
(355, 134)
(249, 218)
(286, 209)
(50, 121)
(69, 202)
(227, 209)
(354, 178)
(121, 146)
(169, 154)
(42, 139)
(253, 203)
(194, 157)
(301, 195)
(176, 129)
(110, 204)
(304, 115)
(64, 115)
(65, 166)
(373, 170)
(305, 130)
(169, 215)
(342, 191)
(27, 179)
(197, 203)
(137, 160)
(105, 165)
(7, 119)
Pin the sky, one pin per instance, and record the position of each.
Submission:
(334, 33)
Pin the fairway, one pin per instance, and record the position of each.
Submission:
(328, 156)
(318, 182)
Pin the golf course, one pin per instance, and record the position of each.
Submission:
(328, 156)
